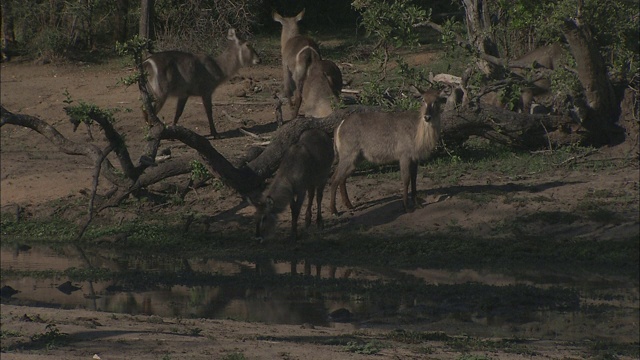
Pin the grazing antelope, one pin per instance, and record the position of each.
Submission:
(321, 86)
(295, 57)
(304, 169)
(386, 137)
(181, 74)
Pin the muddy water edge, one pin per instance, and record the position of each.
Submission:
(569, 303)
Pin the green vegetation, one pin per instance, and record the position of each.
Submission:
(609, 350)
(473, 357)
(368, 348)
(52, 337)
(416, 337)
(54, 230)
(468, 344)
(4, 334)
(234, 356)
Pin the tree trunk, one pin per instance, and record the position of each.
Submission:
(8, 32)
(602, 108)
(120, 21)
(146, 19)
(479, 31)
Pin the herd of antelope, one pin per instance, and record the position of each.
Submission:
(308, 79)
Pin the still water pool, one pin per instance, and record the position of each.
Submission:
(574, 305)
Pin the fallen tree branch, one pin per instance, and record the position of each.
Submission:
(65, 145)
(496, 124)
(249, 133)
(94, 190)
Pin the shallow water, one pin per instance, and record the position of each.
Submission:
(572, 306)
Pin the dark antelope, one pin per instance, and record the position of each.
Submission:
(387, 137)
(181, 74)
(304, 169)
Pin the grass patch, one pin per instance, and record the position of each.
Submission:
(609, 350)
(550, 217)
(598, 210)
(477, 156)
(416, 337)
(38, 230)
(234, 356)
(368, 348)
(473, 357)
(467, 344)
(5, 334)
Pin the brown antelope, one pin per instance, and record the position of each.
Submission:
(549, 57)
(321, 87)
(294, 57)
(387, 137)
(181, 74)
(304, 169)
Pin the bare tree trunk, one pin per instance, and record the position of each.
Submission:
(602, 108)
(8, 32)
(479, 31)
(146, 19)
(120, 20)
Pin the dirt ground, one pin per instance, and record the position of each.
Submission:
(34, 172)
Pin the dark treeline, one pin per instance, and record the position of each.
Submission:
(50, 28)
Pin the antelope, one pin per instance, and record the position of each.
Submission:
(181, 74)
(295, 57)
(387, 137)
(321, 86)
(304, 169)
(548, 57)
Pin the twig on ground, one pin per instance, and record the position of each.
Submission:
(248, 133)
(588, 153)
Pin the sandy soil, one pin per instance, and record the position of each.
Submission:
(33, 172)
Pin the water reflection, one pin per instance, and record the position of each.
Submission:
(295, 292)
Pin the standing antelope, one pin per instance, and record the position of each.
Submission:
(295, 57)
(321, 86)
(405, 137)
(180, 74)
(304, 169)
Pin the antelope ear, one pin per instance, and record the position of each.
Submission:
(232, 35)
(300, 15)
(277, 17)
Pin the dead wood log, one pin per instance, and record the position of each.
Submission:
(498, 125)
(523, 131)
(65, 145)
(241, 179)
(516, 130)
